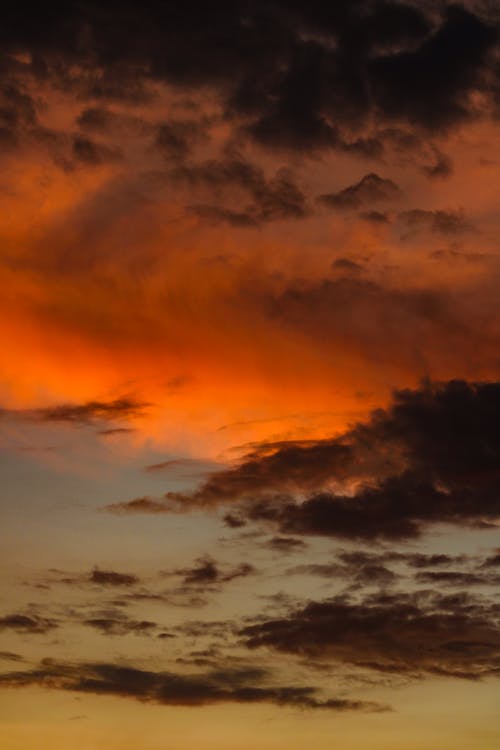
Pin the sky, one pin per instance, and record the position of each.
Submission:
(250, 375)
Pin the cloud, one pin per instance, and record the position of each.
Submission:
(112, 578)
(431, 84)
(360, 568)
(367, 574)
(415, 635)
(17, 114)
(430, 458)
(139, 505)
(347, 266)
(243, 686)
(27, 623)
(418, 560)
(456, 578)
(206, 571)
(116, 431)
(235, 180)
(285, 544)
(439, 222)
(375, 217)
(81, 414)
(370, 189)
(176, 139)
(192, 466)
(120, 626)
(442, 167)
(104, 120)
(120, 408)
(493, 561)
(94, 154)
(287, 77)
(10, 656)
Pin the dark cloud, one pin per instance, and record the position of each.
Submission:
(111, 578)
(17, 115)
(207, 571)
(493, 561)
(370, 189)
(244, 686)
(431, 457)
(116, 431)
(442, 167)
(360, 568)
(27, 623)
(270, 199)
(430, 85)
(456, 578)
(289, 75)
(234, 522)
(375, 217)
(347, 266)
(139, 505)
(416, 635)
(204, 571)
(94, 154)
(103, 120)
(187, 467)
(352, 312)
(86, 413)
(10, 656)
(285, 544)
(366, 574)
(217, 215)
(418, 560)
(176, 139)
(440, 222)
(120, 626)
(290, 466)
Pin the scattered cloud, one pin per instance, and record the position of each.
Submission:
(370, 189)
(244, 686)
(27, 623)
(112, 578)
(429, 458)
(417, 635)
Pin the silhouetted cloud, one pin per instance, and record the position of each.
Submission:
(375, 217)
(270, 199)
(440, 222)
(417, 635)
(190, 466)
(285, 544)
(175, 139)
(242, 686)
(289, 76)
(10, 656)
(457, 578)
(207, 571)
(442, 167)
(431, 457)
(120, 626)
(368, 574)
(347, 266)
(112, 578)
(17, 114)
(370, 189)
(27, 623)
(86, 413)
(493, 561)
(92, 153)
(139, 505)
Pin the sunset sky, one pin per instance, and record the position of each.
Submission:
(250, 375)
